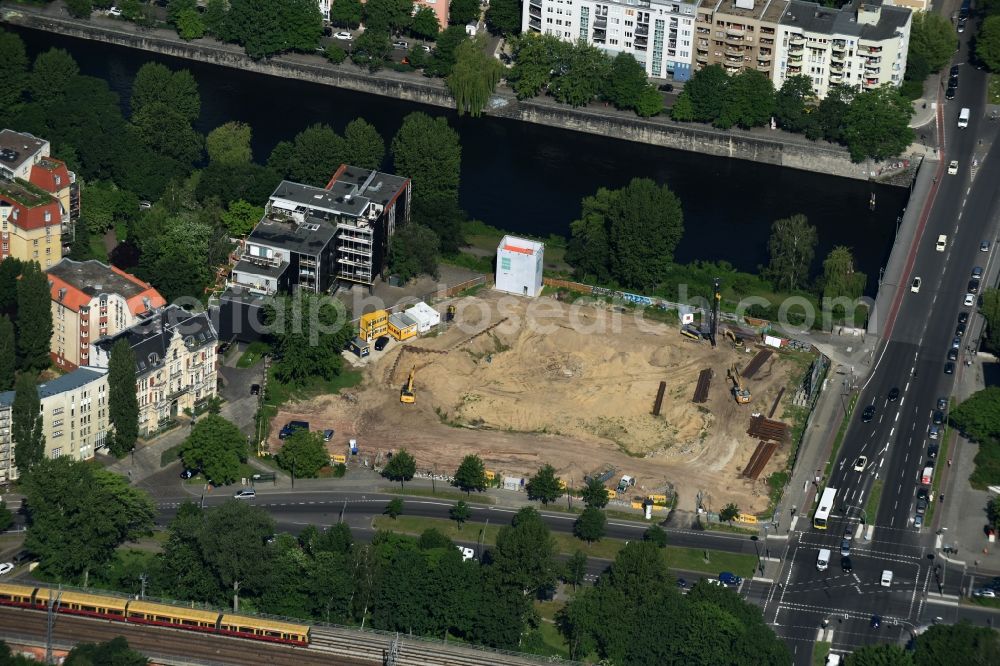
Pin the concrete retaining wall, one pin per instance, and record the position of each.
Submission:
(816, 157)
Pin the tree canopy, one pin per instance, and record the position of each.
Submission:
(544, 486)
(471, 474)
(988, 43)
(123, 402)
(308, 332)
(401, 467)
(303, 453)
(474, 76)
(217, 448)
(792, 247)
(932, 40)
(877, 124)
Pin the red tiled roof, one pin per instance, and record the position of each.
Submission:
(74, 298)
(43, 174)
(33, 217)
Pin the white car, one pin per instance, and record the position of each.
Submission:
(6, 568)
(346, 36)
(714, 581)
(886, 578)
(246, 493)
(985, 593)
(953, 167)
(467, 553)
(860, 463)
(401, 44)
(915, 286)
(114, 11)
(970, 300)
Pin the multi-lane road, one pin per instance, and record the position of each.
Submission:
(839, 605)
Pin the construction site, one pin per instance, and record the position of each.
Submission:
(588, 388)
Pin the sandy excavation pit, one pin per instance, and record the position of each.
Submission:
(572, 386)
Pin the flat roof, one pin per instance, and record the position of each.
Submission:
(402, 320)
(18, 147)
(375, 186)
(309, 238)
(93, 278)
(318, 198)
(274, 272)
(25, 193)
(814, 18)
(522, 245)
(70, 381)
(763, 10)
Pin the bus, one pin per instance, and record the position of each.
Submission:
(823, 510)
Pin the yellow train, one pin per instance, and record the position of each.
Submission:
(163, 615)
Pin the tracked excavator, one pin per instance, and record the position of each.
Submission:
(741, 393)
(407, 395)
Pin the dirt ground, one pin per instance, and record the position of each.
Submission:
(569, 385)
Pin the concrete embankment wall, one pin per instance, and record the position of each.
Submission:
(815, 157)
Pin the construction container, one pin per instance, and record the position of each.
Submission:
(490, 476)
(519, 266)
(338, 459)
(425, 316)
(611, 493)
(401, 326)
(373, 325)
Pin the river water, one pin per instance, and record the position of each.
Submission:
(530, 178)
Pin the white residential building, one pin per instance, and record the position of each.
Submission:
(861, 45)
(324, 9)
(658, 33)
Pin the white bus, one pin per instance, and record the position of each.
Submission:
(824, 508)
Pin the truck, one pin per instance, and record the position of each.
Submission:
(823, 559)
(626, 483)
(926, 476)
(963, 117)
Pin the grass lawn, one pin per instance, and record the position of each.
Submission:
(170, 455)
(97, 248)
(689, 559)
(982, 601)
(254, 352)
(942, 459)
(820, 651)
(874, 497)
(993, 92)
(734, 529)
(553, 643)
(455, 495)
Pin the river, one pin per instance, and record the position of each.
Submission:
(530, 179)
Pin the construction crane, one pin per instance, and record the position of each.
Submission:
(741, 394)
(406, 395)
(716, 302)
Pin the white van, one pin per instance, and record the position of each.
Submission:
(886, 578)
(963, 117)
(942, 242)
(823, 560)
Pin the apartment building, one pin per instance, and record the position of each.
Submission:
(75, 421)
(91, 300)
(738, 34)
(311, 237)
(439, 7)
(24, 157)
(175, 365)
(657, 33)
(862, 45)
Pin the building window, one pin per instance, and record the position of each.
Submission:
(57, 423)
(57, 452)
(35, 242)
(57, 433)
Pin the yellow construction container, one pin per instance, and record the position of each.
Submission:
(402, 326)
(611, 494)
(638, 505)
(490, 476)
(338, 459)
(562, 485)
(658, 499)
(748, 518)
(373, 325)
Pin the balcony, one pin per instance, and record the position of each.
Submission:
(734, 53)
(836, 67)
(863, 50)
(836, 78)
(839, 44)
(763, 66)
(641, 42)
(535, 11)
(734, 40)
(764, 60)
(642, 31)
(703, 31)
(766, 41)
(837, 57)
(735, 32)
(535, 23)
(794, 69)
(266, 262)
(795, 58)
(796, 40)
(701, 58)
(871, 83)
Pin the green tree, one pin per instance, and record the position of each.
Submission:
(960, 643)
(335, 53)
(394, 508)
(8, 354)
(536, 57)
(51, 76)
(363, 145)
(401, 467)
(544, 486)
(229, 144)
(26, 424)
(840, 279)
(6, 518)
(13, 70)
(241, 218)
(233, 544)
(79, 8)
(626, 82)
(215, 16)
(10, 274)
(990, 307)
(156, 86)
(116, 652)
(371, 49)
(650, 102)
(346, 13)
(580, 76)
(978, 417)
(265, 28)
(595, 494)
(932, 38)
(427, 151)
(34, 317)
(883, 654)
(79, 515)
(655, 534)
(461, 12)
(444, 56)
(123, 405)
(169, 134)
(575, 569)
(307, 332)
(504, 17)
(177, 251)
(988, 43)
(646, 224)
(683, 109)
(792, 247)
(993, 512)
(460, 513)
(303, 452)
(790, 104)
(729, 513)
(107, 206)
(589, 249)
(591, 525)
(523, 556)
(176, 7)
(189, 25)
(315, 155)
(474, 77)
(471, 474)
(748, 101)
(217, 448)
(877, 124)
(387, 16)
(832, 114)
(707, 92)
(425, 24)
(414, 250)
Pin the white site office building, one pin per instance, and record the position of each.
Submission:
(656, 32)
(861, 45)
(519, 266)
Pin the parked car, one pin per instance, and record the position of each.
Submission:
(949, 93)
(290, 427)
(921, 493)
(845, 564)
(973, 286)
(400, 44)
(921, 507)
(985, 593)
(970, 299)
(245, 493)
(954, 70)
(328, 434)
(730, 578)
(963, 318)
(918, 521)
(381, 342)
(6, 568)
(934, 431)
(114, 11)
(188, 473)
(893, 394)
(467, 553)
(255, 389)
(666, 87)
(713, 581)
(681, 583)
(960, 329)
(984, 246)
(344, 35)
(952, 354)
(932, 451)
(938, 417)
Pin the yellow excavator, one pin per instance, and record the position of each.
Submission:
(735, 339)
(741, 394)
(407, 395)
